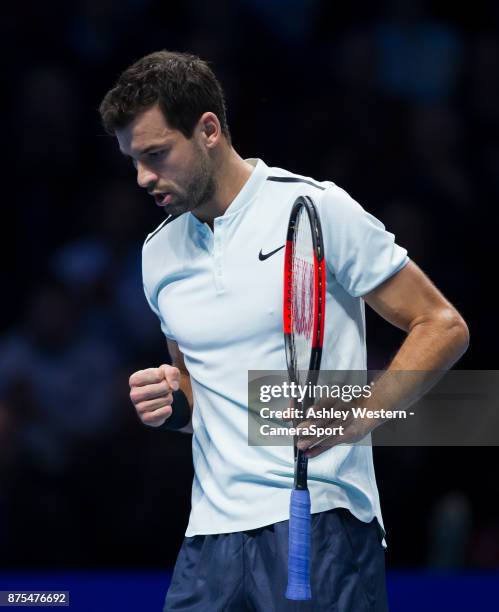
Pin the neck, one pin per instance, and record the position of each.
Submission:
(231, 174)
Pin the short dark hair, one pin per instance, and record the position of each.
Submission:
(182, 84)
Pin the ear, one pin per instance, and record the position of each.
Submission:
(209, 130)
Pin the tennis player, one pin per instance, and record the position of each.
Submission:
(213, 275)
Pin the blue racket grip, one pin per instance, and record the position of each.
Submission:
(299, 546)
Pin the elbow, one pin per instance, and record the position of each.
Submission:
(466, 335)
(457, 330)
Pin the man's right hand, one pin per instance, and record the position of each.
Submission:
(151, 392)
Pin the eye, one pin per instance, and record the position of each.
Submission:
(156, 154)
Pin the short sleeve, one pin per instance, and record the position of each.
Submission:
(359, 251)
(156, 311)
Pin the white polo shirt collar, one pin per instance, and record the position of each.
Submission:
(242, 199)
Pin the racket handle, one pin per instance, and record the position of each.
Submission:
(299, 546)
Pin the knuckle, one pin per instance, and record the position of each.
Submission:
(141, 409)
(153, 374)
(146, 417)
(133, 378)
(149, 417)
(135, 395)
(164, 387)
(142, 376)
(170, 370)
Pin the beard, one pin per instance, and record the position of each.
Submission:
(200, 188)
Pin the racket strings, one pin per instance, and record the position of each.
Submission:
(304, 320)
(302, 301)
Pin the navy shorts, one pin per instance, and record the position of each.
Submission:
(247, 571)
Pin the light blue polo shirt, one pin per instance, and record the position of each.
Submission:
(222, 304)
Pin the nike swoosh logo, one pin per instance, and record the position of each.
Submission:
(263, 257)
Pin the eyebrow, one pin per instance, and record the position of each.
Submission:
(147, 149)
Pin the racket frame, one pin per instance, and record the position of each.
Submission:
(306, 203)
(300, 522)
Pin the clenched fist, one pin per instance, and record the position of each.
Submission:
(151, 392)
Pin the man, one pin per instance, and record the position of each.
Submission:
(212, 274)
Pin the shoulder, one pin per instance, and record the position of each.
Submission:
(163, 249)
(162, 228)
(339, 204)
(331, 200)
(286, 180)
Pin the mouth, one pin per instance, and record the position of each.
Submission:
(162, 198)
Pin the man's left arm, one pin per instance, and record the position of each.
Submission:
(437, 336)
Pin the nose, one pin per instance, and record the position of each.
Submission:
(145, 178)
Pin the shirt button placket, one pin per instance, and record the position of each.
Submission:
(217, 255)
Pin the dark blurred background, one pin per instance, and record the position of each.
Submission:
(395, 101)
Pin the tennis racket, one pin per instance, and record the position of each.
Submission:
(304, 306)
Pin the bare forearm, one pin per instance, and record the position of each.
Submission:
(431, 347)
(434, 343)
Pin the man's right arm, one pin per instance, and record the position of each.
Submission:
(153, 391)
